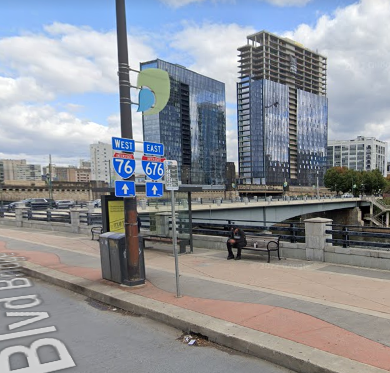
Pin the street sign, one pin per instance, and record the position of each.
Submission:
(124, 188)
(124, 164)
(171, 175)
(153, 167)
(123, 145)
(153, 148)
(154, 189)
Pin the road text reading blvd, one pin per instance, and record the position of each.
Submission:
(10, 279)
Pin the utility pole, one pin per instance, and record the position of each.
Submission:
(50, 178)
(130, 203)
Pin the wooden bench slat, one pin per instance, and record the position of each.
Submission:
(269, 240)
(183, 242)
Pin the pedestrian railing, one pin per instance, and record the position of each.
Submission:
(292, 231)
(48, 215)
(359, 236)
(91, 218)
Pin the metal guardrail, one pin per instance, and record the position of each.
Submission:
(48, 215)
(293, 231)
(91, 218)
(344, 234)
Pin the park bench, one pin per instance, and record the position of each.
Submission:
(96, 231)
(182, 242)
(266, 243)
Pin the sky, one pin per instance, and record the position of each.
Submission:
(58, 64)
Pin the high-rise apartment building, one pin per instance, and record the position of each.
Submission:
(192, 126)
(101, 163)
(360, 154)
(8, 168)
(282, 112)
(18, 169)
(28, 172)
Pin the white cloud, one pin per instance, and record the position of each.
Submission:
(355, 41)
(213, 48)
(21, 89)
(71, 59)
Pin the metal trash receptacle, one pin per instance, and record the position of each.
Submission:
(105, 255)
(114, 259)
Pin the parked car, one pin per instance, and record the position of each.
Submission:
(52, 203)
(11, 206)
(33, 203)
(65, 203)
(347, 195)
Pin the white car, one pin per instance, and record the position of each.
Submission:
(347, 195)
(65, 203)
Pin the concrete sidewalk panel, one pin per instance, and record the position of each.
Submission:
(277, 350)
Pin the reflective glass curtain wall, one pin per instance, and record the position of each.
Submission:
(268, 128)
(276, 114)
(192, 126)
(312, 137)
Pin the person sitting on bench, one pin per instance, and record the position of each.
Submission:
(237, 239)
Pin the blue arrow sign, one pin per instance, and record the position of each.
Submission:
(124, 188)
(124, 164)
(153, 167)
(153, 148)
(154, 189)
(123, 145)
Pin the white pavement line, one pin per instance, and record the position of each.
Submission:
(52, 246)
(289, 354)
(281, 293)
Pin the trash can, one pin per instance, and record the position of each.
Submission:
(117, 250)
(105, 255)
(113, 257)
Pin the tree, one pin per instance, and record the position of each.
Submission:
(342, 179)
(334, 179)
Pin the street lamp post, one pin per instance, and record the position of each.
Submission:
(130, 203)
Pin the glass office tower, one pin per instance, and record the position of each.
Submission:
(282, 112)
(192, 126)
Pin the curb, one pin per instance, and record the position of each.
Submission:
(282, 352)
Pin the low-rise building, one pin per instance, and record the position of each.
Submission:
(360, 154)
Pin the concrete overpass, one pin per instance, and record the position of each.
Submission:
(273, 211)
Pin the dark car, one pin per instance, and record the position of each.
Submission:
(33, 203)
(11, 206)
(39, 203)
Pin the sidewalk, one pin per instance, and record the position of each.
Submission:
(306, 316)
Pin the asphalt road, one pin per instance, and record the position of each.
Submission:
(92, 337)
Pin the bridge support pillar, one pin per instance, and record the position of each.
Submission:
(387, 218)
(315, 240)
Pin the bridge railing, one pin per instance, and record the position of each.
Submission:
(48, 215)
(357, 235)
(293, 231)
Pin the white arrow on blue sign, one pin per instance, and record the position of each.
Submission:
(123, 145)
(124, 188)
(124, 164)
(154, 189)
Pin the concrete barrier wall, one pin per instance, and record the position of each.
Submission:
(360, 257)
